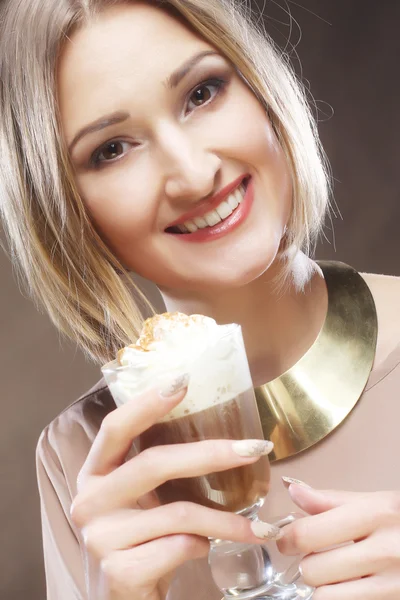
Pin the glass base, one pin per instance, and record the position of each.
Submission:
(300, 593)
(246, 572)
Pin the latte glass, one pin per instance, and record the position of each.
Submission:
(219, 404)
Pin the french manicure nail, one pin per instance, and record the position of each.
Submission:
(287, 481)
(266, 531)
(249, 448)
(175, 385)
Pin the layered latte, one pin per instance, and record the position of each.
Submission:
(219, 403)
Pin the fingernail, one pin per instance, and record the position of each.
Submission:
(287, 481)
(250, 448)
(266, 531)
(175, 385)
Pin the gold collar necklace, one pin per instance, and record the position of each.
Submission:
(306, 403)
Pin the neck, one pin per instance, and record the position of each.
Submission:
(278, 326)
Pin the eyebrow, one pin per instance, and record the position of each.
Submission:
(171, 82)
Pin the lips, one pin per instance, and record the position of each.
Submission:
(208, 205)
(224, 227)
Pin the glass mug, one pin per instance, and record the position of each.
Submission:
(220, 374)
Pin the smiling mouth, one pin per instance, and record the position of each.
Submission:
(213, 217)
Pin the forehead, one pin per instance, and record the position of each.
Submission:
(127, 46)
(127, 27)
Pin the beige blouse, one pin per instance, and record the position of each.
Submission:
(361, 454)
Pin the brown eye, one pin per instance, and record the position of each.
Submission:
(202, 94)
(206, 92)
(110, 152)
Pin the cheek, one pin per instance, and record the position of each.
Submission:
(251, 140)
(264, 149)
(120, 211)
(265, 154)
(269, 158)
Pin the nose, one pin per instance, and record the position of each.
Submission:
(190, 170)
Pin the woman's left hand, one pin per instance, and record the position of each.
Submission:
(367, 567)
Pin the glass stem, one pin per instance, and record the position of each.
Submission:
(239, 569)
(245, 571)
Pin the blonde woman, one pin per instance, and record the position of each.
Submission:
(123, 128)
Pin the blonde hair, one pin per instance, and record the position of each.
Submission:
(67, 267)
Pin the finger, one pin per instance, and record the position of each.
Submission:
(154, 466)
(352, 561)
(121, 426)
(129, 528)
(140, 568)
(369, 588)
(339, 525)
(316, 501)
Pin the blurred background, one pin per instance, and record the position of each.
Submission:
(349, 53)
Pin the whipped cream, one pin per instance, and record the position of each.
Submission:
(171, 344)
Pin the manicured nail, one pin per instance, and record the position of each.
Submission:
(266, 531)
(287, 481)
(250, 448)
(176, 385)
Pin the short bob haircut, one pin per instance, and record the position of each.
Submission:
(68, 269)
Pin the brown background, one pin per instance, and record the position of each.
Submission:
(350, 53)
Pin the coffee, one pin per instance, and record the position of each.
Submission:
(231, 490)
(219, 403)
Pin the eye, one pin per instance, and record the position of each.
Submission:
(203, 94)
(110, 151)
(206, 92)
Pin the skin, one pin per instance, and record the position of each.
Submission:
(367, 525)
(175, 154)
(172, 159)
(137, 549)
(182, 152)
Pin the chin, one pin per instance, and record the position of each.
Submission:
(227, 265)
(242, 266)
(236, 276)
(222, 275)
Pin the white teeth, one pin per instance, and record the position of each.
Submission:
(190, 226)
(212, 218)
(232, 201)
(200, 222)
(238, 195)
(224, 210)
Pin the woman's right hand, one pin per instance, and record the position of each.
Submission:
(138, 549)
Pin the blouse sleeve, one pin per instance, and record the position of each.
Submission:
(63, 559)
(71, 573)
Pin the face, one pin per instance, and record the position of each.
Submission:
(171, 149)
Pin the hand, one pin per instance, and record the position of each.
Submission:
(367, 567)
(139, 549)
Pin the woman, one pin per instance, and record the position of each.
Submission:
(124, 127)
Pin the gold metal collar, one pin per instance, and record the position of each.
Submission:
(305, 404)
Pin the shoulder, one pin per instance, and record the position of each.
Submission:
(65, 442)
(385, 287)
(385, 290)
(84, 415)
